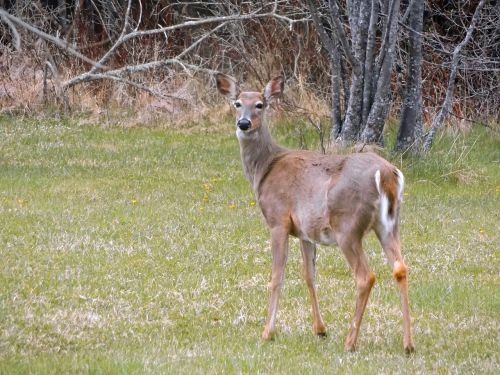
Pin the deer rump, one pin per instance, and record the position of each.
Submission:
(326, 199)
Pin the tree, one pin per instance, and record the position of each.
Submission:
(106, 39)
(369, 47)
(410, 127)
(437, 122)
(379, 102)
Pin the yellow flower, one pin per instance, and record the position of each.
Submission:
(481, 231)
(498, 190)
(232, 205)
(252, 203)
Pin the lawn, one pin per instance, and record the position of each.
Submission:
(141, 250)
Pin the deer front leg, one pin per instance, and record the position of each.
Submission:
(309, 256)
(279, 248)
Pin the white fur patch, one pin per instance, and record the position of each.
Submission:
(377, 180)
(385, 220)
(246, 135)
(401, 184)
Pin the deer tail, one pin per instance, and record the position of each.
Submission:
(390, 186)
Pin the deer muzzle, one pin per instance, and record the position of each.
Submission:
(244, 124)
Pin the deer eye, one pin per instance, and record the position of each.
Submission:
(237, 104)
(259, 105)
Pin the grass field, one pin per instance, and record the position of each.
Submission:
(139, 250)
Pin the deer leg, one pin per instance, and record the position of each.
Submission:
(364, 279)
(309, 256)
(400, 274)
(391, 244)
(279, 247)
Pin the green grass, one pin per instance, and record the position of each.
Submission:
(142, 251)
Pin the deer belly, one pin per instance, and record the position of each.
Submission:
(313, 228)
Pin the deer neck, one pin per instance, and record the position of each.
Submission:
(257, 151)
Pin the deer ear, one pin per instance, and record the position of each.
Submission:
(227, 86)
(274, 88)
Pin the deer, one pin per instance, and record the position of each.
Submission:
(324, 199)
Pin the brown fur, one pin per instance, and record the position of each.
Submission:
(399, 272)
(389, 184)
(326, 199)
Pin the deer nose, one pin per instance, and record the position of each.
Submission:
(244, 124)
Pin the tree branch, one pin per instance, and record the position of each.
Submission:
(15, 34)
(340, 32)
(118, 42)
(57, 41)
(437, 122)
(116, 73)
(326, 40)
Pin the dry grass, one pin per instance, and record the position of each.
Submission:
(27, 87)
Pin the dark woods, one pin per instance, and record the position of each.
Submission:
(422, 63)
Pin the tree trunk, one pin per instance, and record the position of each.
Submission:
(336, 124)
(373, 132)
(368, 91)
(410, 128)
(384, 30)
(359, 18)
(335, 67)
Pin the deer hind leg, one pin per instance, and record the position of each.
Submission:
(308, 250)
(364, 279)
(279, 248)
(391, 244)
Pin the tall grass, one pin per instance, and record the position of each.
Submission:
(141, 250)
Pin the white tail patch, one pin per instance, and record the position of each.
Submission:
(377, 180)
(386, 220)
(401, 185)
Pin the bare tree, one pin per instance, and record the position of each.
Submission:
(369, 47)
(371, 35)
(381, 99)
(445, 108)
(410, 127)
(123, 28)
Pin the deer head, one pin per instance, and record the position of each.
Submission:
(250, 105)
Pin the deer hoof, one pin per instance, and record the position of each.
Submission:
(268, 335)
(409, 349)
(350, 349)
(320, 331)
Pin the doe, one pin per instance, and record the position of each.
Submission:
(321, 199)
